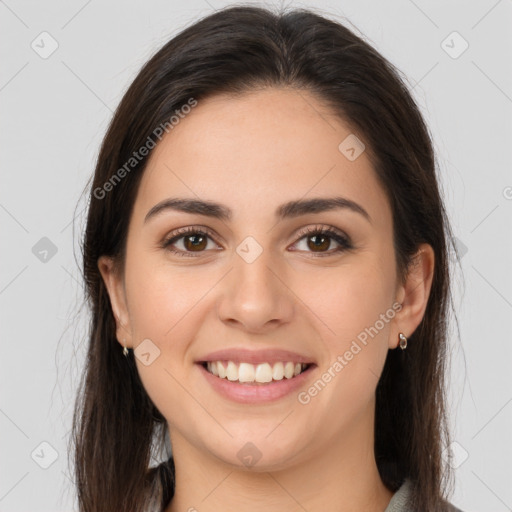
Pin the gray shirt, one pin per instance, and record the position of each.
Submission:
(399, 500)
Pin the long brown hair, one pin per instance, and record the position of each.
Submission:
(116, 427)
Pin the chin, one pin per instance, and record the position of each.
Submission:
(258, 453)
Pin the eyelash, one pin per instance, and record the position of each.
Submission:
(331, 232)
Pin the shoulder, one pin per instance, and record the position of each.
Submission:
(399, 501)
(451, 508)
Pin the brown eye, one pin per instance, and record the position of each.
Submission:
(192, 240)
(319, 239)
(195, 242)
(320, 242)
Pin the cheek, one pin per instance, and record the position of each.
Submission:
(162, 310)
(352, 308)
(160, 299)
(167, 307)
(348, 299)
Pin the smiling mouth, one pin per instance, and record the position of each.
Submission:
(247, 373)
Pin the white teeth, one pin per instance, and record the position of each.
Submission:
(212, 368)
(232, 371)
(289, 368)
(262, 373)
(246, 372)
(278, 371)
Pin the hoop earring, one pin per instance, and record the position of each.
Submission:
(125, 349)
(403, 341)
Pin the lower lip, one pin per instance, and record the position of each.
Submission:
(255, 393)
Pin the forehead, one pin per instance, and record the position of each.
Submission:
(258, 149)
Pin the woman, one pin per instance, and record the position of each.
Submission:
(266, 259)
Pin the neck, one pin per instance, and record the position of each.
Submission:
(341, 477)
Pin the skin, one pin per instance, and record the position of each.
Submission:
(253, 153)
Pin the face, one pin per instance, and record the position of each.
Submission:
(265, 289)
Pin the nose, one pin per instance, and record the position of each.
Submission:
(256, 296)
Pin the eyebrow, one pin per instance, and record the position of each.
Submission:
(287, 210)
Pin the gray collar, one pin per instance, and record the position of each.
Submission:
(398, 502)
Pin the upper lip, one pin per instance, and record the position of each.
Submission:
(243, 355)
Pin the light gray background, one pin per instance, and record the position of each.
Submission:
(55, 111)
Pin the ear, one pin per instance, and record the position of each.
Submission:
(114, 284)
(413, 294)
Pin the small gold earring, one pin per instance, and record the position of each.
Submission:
(403, 341)
(125, 350)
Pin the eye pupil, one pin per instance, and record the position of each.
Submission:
(320, 245)
(195, 244)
